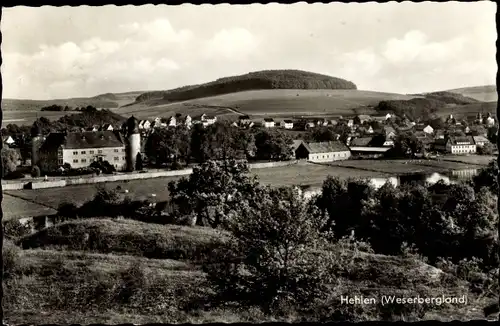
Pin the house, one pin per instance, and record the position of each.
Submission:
(369, 147)
(461, 145)
(296, 143)
(309, 125)
(80, 149)
(172, 121)
(93, 128)
(287, 124)
(107, 127)
(369, 130)
(144, 124)
(234, 124)
(428, 130)
(439, 134)
(8, 140)
(244, 120)
(364, 118)
(350, 123)
(480, 141)
(490, 121)
(389, 131)
(333, 122)
(268, 123)
(323, 152)
(188, 121)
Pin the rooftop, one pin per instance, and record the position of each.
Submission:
(326, 147)
(77, 140)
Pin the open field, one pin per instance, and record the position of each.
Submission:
(277, 103)
(483, 160)
(311, 174)
(406, 166)
(487, 93)
(28, 117)
(473, 109)
(14, 207)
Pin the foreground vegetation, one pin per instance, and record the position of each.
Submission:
(257, 253)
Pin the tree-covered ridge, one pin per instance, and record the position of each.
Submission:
(266, 79)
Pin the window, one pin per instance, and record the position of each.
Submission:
(83, 152)
(91, 152)
(75, 153)
(123, 150)
(75, 161)
(123, 158)
(116, 150)
(84, 160)
(99, 151)
(117, 158)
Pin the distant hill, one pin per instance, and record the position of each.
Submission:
(260, 80)
(487, 93)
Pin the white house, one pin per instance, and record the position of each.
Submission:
(8, 140)
(172, 122)
(188, 121)
(287, 124)
(323, 152)
(107, 127)
(309, 125)
(428, 129)
(269, 123)
(350, 123)
(461, 145)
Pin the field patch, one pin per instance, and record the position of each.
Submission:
(14, 208)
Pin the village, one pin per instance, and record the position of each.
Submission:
(361, 136)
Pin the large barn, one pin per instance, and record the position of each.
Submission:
(323, 152)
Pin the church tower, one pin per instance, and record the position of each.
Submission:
(134, 142)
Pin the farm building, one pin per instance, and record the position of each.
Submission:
(244, 119)
(369, 147)
(323, 152)
(287, 124)
(8, 140)
(480, 140)
(80, 149)
(269, 123)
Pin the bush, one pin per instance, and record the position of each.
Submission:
(14, 229)
(14, 175)
(35, 172)
(10, 253)
(133, 283)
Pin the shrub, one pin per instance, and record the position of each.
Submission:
(10, 253)
(35, 172)
(132, 283)
(14, 229)
(14, 175)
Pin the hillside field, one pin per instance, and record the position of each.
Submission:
(487, 93)
(284, 103)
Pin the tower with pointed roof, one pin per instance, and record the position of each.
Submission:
(134, 142)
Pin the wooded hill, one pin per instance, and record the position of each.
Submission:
(260, 80)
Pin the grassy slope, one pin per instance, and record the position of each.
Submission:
(487, 93)
(279, 102)
(52, 280)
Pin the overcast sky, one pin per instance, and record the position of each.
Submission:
(52, 52)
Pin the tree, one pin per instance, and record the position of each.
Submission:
(269, 261)
(322, 134)
(487, 177)
(273, 145)
(35, 172)
(10, 158)
(168, 145)
(406, 145)
(213, 191)
(487, 149)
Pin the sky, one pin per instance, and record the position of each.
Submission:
(63, 52)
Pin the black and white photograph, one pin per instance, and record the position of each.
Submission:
(249, 163)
